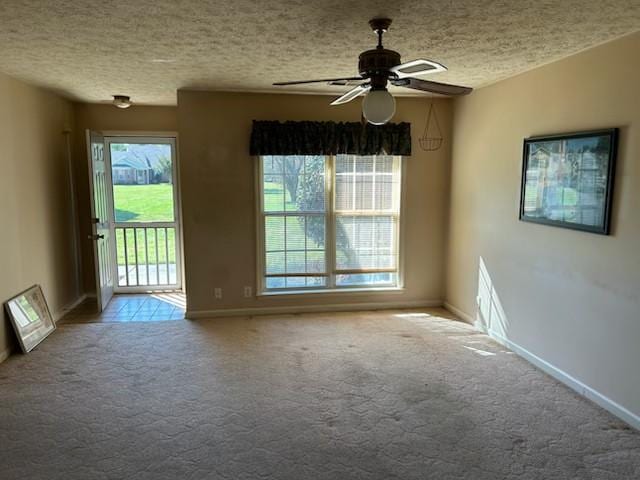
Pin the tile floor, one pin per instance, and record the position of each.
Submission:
(131, 308)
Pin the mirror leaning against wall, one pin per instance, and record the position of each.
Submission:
(31, 318)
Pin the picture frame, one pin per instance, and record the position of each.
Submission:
(30, 317)
(567, 180)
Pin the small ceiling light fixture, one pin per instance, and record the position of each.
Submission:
(121, 101)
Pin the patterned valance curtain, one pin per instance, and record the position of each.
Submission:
(329, 138)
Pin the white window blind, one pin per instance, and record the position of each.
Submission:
(367, 212)
(329, 222)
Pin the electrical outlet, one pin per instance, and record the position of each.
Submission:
(247, 292)
(217, 292)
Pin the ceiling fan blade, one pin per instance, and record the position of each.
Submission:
(324, 80)
(433, 87)
(418, 67)
(346, 83)
(351, 94)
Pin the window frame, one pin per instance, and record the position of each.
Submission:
(330, 238)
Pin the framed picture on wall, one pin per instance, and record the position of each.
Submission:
(567, 180)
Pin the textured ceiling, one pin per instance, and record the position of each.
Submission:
(147, 49)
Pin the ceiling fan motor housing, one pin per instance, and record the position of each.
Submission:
(375, 65)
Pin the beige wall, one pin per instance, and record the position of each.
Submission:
(35, 206)
(219, 205)
(108, 118)
(569, 297)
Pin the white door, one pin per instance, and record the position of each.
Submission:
(99, 181)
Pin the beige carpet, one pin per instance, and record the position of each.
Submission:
(373, 395)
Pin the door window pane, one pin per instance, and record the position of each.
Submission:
(142, 176)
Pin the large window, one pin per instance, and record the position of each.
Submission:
(329, 222)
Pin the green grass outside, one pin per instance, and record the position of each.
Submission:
(273, 198)
(143, 203)
(139, 241)
(277, 200)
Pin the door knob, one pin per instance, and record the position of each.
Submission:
(96, 237)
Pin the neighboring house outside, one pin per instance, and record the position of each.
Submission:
(125, 175)
(135, 166)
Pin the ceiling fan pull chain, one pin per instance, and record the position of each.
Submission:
(427, 143)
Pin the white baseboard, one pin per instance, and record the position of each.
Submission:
(67, 308)
(560, 375)
(342, 307)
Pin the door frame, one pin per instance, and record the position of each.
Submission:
(170, 138)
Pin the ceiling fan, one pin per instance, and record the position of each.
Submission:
(380, 66)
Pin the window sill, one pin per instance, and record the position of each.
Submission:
(331, 291)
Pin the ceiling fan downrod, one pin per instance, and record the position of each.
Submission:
(380, 27)
(375, 64)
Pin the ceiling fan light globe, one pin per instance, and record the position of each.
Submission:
(378, 107)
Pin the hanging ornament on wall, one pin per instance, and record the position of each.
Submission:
(431, 138)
